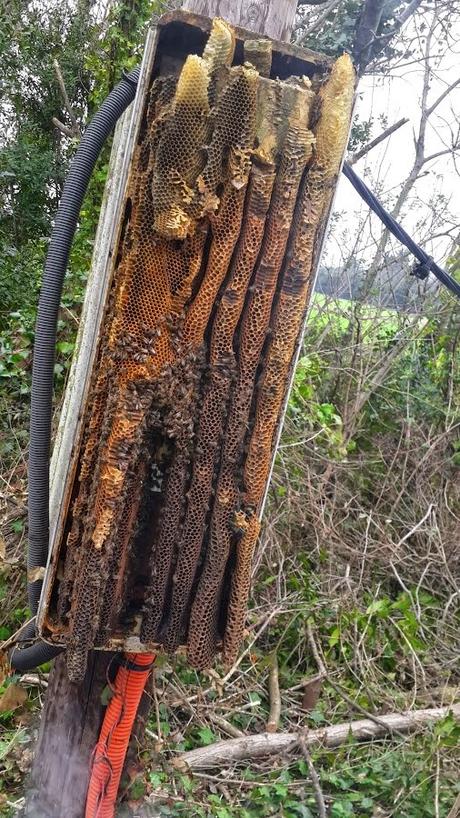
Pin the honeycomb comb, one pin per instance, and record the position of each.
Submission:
(230, 185)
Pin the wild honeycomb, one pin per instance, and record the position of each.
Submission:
(230, 184)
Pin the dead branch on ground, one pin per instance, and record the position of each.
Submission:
(225, 753)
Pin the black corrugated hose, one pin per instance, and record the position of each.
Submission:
(65, 225)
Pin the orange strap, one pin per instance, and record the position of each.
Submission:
(110, 751)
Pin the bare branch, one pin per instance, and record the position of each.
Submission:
(319, 797)
(366, 34)
(225, 725)
(442, 96)
(275, 698)
(378, 139)
(368, 44)
(74, 130)
(34, 680)
(63, 128)
(320, 19)
(455, 811)
(225, 753)
(338, 688)
(439, 153)
(408, 12)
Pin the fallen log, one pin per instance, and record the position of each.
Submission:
(225, 753)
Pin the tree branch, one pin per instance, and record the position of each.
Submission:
(365, 53)
(74, 130)
(274, 695)
(378, 139)
(320, 19)
(366, 32)
(319, 797)
(63, 128)
(439, 153)
(442, 96)
(338, 688)
(225, 753)
(455, 811)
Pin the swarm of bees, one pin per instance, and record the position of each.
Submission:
(230, 187)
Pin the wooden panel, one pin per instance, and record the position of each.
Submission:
(275, 18)
(66, 445)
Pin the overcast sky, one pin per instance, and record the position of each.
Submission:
(386, 167)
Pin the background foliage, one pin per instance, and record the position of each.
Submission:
(360, 545)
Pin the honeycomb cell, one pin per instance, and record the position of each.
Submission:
(228, 160)
(166, 542)
(240, 587)
(220, 48)
(232, 141)
(259, 54)
(180, 155)
(113, 592)
(198, 504)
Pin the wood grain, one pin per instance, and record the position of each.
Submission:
(275, 18)
(226, 753)
(69, 730)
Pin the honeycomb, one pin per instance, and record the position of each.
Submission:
(259, 54)
(290, 125)
(220, 48)
(336, 99)
(230, 183)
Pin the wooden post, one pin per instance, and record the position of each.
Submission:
(275, 18)
(73, 713)
(69, 730)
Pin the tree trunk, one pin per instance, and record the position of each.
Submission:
(272, 17)
(72, 714)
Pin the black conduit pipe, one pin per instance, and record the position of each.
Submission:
(23, 659)
(425, 263)
(55, 268)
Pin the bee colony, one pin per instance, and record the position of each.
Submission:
(229, 190)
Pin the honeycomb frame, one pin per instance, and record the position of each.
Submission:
(230, 186)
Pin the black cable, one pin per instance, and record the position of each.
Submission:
(426, 263)
(62, 236)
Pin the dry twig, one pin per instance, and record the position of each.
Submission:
(378, 139)
(455, 811)
(338, 688)
(74, 130)
(274, 694)
(319, 797)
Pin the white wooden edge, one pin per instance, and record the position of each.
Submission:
(65, 451)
